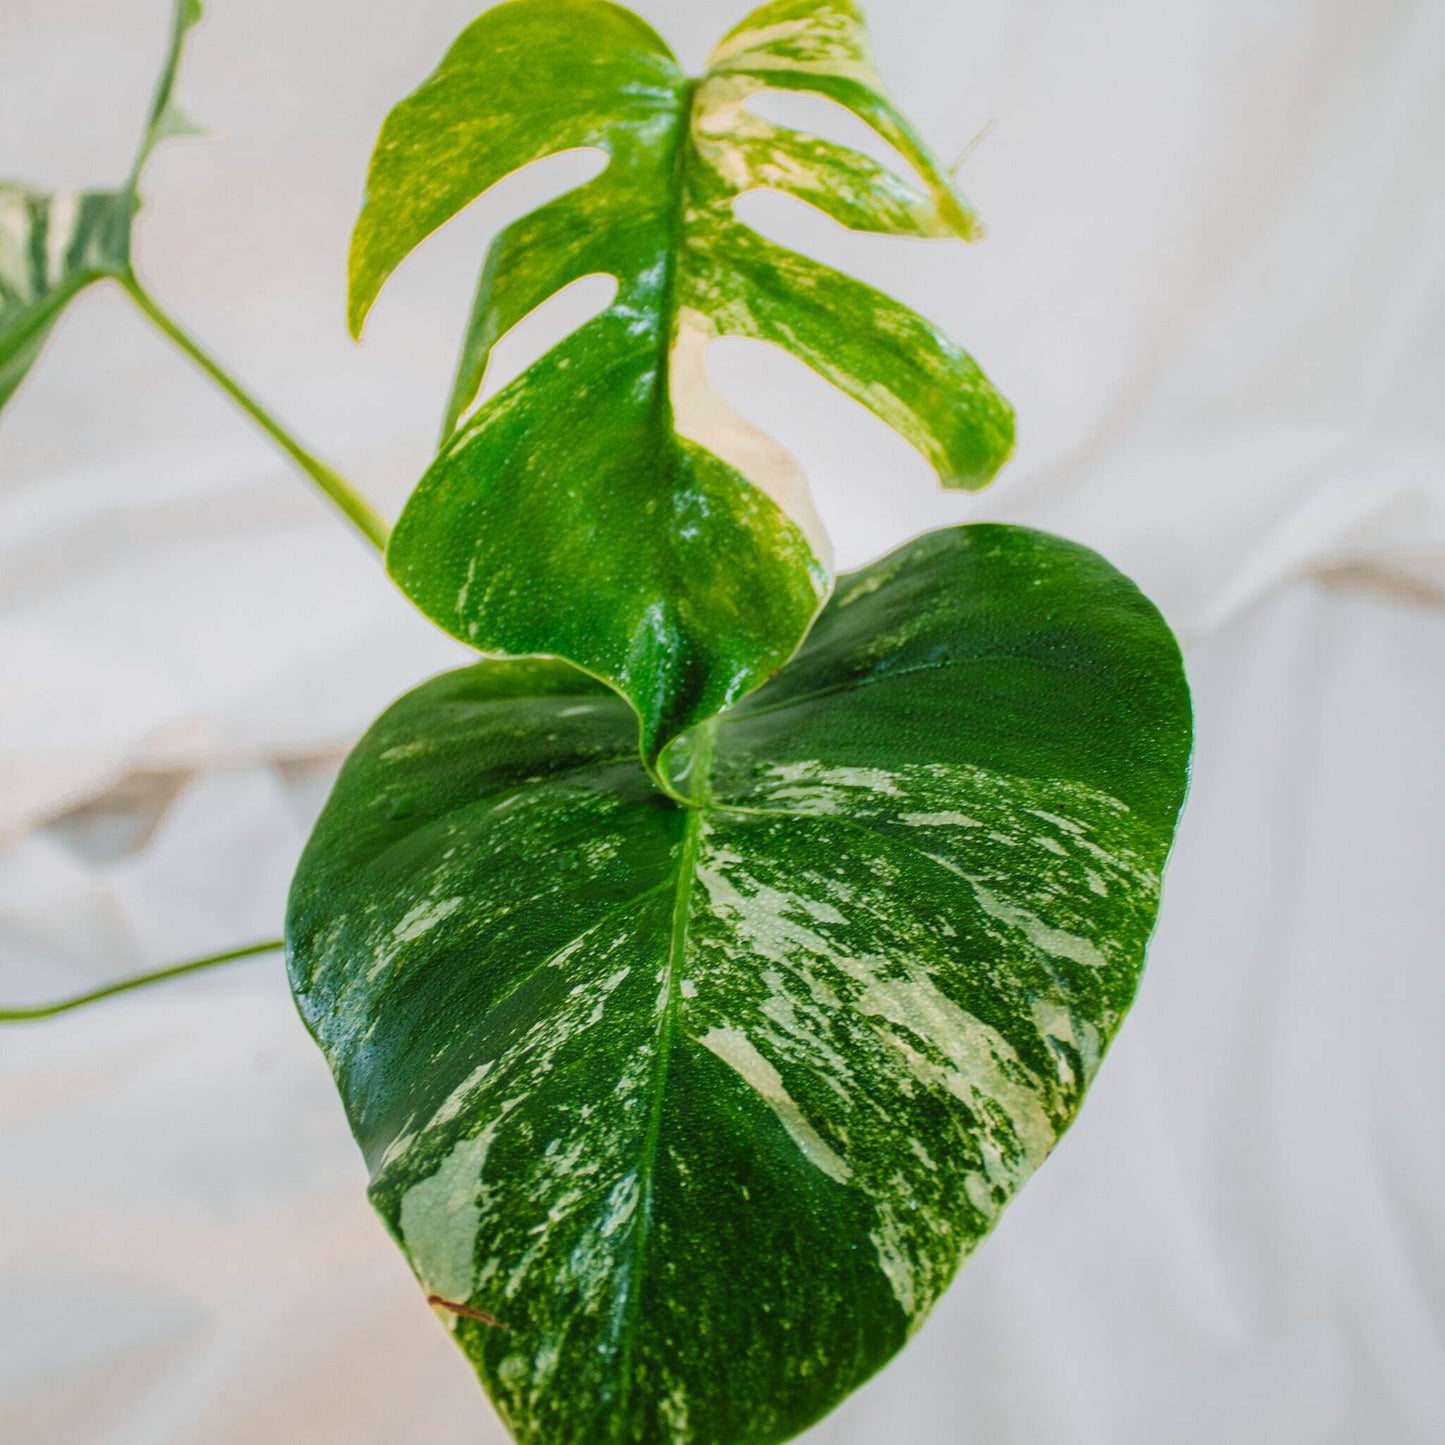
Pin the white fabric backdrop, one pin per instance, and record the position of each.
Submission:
(1215, 289)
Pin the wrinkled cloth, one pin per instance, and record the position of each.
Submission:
(1214, 288)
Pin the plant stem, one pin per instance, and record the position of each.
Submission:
(140, 980)
(357, 509)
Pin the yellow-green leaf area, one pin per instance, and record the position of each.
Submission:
(608, 506)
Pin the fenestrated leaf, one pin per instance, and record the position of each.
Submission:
(704, 1105)
(55, 244)
(608, 506)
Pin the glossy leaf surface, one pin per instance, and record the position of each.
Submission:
(55, 244)
(608, 506)
(704, 1105)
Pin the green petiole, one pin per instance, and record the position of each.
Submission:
(139, 980)
(357, 509)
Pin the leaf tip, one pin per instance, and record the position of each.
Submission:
(361, 292)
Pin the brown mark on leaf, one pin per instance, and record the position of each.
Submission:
(466, 1311)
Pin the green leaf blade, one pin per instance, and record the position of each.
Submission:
(526, 80)
(722, 559)
(707, 1109)
(847, 185)
(1024, 608)
(703, 583)
(577, 235)
(822, 46)
(872, 348)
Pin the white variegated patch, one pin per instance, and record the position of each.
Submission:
(739, 1053)
(702, 415)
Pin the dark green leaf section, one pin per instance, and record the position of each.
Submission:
(608, 506)
(54, 245)
(704, 1104)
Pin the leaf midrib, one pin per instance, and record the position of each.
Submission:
(699, 791)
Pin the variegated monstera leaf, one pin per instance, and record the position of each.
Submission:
(55, 244)
(686, 1113)
(608, 507)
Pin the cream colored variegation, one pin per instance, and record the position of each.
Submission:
(701, 414)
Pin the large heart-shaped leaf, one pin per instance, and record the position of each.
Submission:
(608, 506)
(55, 244)
(704, 1104)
